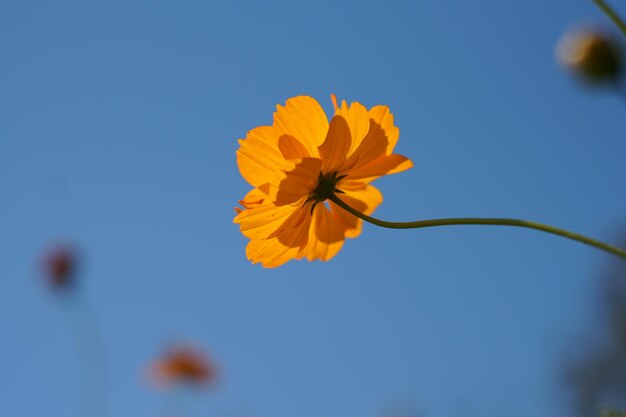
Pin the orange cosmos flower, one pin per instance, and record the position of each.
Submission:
(183, 364)
(295, 164)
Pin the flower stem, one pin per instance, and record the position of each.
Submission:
(485, 222)
(611, 15)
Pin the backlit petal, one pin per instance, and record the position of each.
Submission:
(326, 235)
(380, 140)
(297, 183)
(373, 146)
(263, 220)
(284, 244)
(383, 117)
(258, 157)
(391, 164)
(270, 253)
(365, 200)
(292, 148)
(357, 117)
(303, 119)
(335, 148)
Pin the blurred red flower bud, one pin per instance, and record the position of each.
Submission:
(592, 54)
(60, 264)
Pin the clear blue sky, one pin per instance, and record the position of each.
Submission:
(119, 123)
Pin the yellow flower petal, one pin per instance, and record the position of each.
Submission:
(391, 164)
(379, 141)
(364, 199)
(326, 236)
(284, 244)
(270, 253)
(335, 148)
(292, 148)
(263, 219)
(358, 119)
(303, 119)
(383, 117)
(258, 157)
(373, 146)
(297, 183)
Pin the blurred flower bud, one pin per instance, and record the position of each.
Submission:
(183, 365)
(591, 54)
(60, 265)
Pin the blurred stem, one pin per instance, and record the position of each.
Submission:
(611, 15)
(89, 346)
(176, 403)
(485, 222)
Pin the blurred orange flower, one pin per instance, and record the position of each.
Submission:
(295, 164)
(183, 364)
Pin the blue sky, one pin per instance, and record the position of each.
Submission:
(118, 130)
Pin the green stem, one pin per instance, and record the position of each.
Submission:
(482, 221)
(611, 15)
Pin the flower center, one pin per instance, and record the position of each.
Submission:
(326, 186)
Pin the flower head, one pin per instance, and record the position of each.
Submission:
(59, 265)
(298, 162)
(591, 54)
(183, 365)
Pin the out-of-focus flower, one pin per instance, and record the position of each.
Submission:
(613, 413)
(593, 55)
(183, 365)
(60, 265)
(298, 162)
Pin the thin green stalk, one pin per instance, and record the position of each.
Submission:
(482, 221)
(91, 358)
(611, 15)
